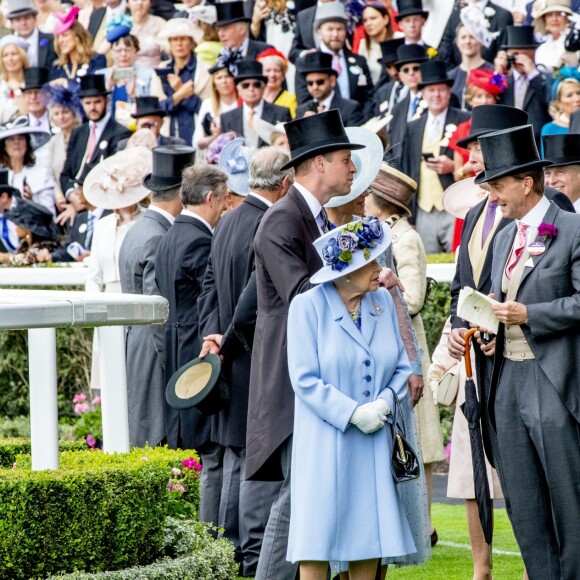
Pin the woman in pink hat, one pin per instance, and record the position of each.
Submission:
(73, 44)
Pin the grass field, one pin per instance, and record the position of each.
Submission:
(451, 558)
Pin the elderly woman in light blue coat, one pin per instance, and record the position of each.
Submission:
(347, 362)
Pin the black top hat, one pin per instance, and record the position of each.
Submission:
(389, 50)
(35, 77)
(5, 186)
(562, 149)
(316, 135)
(93, 86)
(520, 37)
(147, 107)
(407, 53)
(33, 217)
(317, 62)
(168, 163)
(490, 118)
(509, 152)
(434, 72)
(409, 8)
(249, 69)
(230, 12)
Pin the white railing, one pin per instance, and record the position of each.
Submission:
(41, 312)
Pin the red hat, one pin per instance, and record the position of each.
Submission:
(65, 22)
(491, 82)
(271, 52)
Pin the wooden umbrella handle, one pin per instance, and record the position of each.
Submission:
(467, 338)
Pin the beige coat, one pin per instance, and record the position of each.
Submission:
(411, 263)
(460, 482)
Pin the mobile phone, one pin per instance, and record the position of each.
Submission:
(427, 156)
(124, 73)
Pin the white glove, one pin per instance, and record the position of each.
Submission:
(382, 407)
(367, 418)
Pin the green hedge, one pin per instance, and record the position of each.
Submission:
(11, 448)
(98, 512)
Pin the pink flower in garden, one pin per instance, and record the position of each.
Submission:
(91, 441)
(96, 401)
(81, 408)
(14, 465)
(448, 451)
(79, 398)
(191, 463)
(144, 458)
(176, 487)
(176, 471)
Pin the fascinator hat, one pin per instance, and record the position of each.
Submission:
(349, 248)
(235, 161)
(65, 22)
(119, 27)
(116, 182)
(477, 25)
(21, 126)
(491, 82)
(67, 97)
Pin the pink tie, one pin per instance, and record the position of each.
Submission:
(92, 142)
(517, 251)
(336, 64)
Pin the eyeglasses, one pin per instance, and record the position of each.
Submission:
(253, 84)
(148, 125)
(410, 69)
(317, 82)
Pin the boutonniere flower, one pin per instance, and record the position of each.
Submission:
(450, 128)
(352, 60)
(103, 145)
(547, 231)
(432, 52)
(488, 11)
(420, 108)
(43, 42)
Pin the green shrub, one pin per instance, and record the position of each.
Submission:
(98, 512)
(435, 313)
(10, 448)
(440, 258)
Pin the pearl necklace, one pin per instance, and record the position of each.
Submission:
(355, 312)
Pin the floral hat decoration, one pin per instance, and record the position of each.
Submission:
(228, 59)
(478, 25)
(119, 27)
(493, 83)
(348, 248)
(64, 96)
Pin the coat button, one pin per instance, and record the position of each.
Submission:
(367, 363)
(368, 378)
(367, 393)
(509, 340)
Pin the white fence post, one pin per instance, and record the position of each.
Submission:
(113, 379)
(43, 398)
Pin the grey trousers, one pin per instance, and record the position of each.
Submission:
(244, 509)
(212, 455)
(436, 230)
(273, 564)
(539, 470)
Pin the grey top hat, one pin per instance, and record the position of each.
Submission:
(20, 8)
(329, 12)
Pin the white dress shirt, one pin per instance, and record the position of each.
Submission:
(533, 219)
(342, 79)
(326, 103)
(169, 217)
(435, 124)
(577, 205)
(32, 47)
(197, 217)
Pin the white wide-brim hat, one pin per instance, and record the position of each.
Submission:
(116, 182)
(367, 162)
(461, 196)
(235, 161)
(346, 242)
(177, 27)
(266, 131)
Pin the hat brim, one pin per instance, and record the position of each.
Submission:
(562, 163)
(463, 143)
(402, 15)
(328, 71)
(519, 46)
(242, 78)
(448, 82)
(461, 196)
(93, 93)
(308, 152)
(150, 182)
(486, 176)
(237, 182)
(22, 12)
(221, 23)
(151, 113)
(400, 63)
(367, 163)
(9, 189)
(327, 274)
(37, 138)
(193, 382)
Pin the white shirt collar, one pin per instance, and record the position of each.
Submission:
(327, 101)
(100, 126)
(197, 217)
(33, 38)
(440, 117)
(257, 109)
(314, 205)
(245, 45)
(577, 205)
(169, 217)
(535, 216)
(325, 48)
(261, 198)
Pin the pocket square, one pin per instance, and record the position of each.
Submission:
(529, 263)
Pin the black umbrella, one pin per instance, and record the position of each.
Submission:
(472, 411)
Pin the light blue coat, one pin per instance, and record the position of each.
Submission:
(344, 503)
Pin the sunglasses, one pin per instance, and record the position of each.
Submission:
(317, 82)
(253, 84)
(410, 69)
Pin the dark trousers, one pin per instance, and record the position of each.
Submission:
(539, 469)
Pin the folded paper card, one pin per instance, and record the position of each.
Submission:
(476, 308)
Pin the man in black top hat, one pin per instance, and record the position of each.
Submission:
(149, 115)
(97, 138)
(233, 28)
(411, 18)
(428, 159)
(564, 173)
(527, 87)
(285, 259)
(251, 82)
(34, 79)
(22, 17)
(316, 67)
(532, 406)
(388, 94)
(8, 237)
(146, 344)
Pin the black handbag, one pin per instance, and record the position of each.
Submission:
(404, 462)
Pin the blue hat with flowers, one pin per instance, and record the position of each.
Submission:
(348, 248)
(118, 27)
(235, 161)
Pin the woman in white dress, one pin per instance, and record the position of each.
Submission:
(13, 61)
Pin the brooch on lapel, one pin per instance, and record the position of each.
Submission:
(378, 309)
(536, 249)
(82, 228)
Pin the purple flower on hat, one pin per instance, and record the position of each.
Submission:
(331, 251)
(375, 227)
(499, 81)
(547, 230)
(347, 241)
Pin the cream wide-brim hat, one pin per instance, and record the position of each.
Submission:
(542, 7)
(358, 260)
(116, 182)
(461, 196)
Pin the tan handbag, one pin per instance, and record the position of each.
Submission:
(448, 386)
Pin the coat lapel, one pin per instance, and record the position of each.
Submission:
(296, 196)
(504, 243)
(369, 318)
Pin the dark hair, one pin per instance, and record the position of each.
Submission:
(538, 178)
(29, 159)
(129, 41)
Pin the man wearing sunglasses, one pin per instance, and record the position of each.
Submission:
(251, 82)
(320, 77)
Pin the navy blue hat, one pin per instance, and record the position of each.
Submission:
(118, 27)
(33, 217)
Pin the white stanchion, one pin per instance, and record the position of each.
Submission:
(43, 398)
(113, 379)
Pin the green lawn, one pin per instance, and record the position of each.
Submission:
(454, 562)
